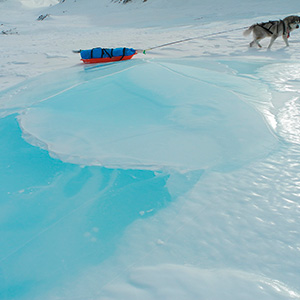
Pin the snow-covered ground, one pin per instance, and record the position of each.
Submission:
(35, 47)
(174, 175)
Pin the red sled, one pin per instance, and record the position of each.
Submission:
(107, 59)
(104, 55)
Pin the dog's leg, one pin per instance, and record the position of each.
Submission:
(285, 38)
(273, 38)
(255, 41)
(258, 44)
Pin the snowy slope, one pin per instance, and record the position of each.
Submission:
(171, 176)
(36, 47)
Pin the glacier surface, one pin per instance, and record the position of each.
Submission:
(151, 179)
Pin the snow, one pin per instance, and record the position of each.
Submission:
(174, 175)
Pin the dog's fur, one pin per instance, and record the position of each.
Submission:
(273, 29)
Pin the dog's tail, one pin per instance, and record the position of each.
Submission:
(249, 30)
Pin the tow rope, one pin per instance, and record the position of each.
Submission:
(190, 39)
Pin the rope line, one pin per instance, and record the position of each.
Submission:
(193, 38)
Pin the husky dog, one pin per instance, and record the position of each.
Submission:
(273, 29)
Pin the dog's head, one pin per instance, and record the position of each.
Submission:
(292, 21)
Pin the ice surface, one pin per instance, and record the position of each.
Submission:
(193, 138)
(181, 118)
(171, 176)
(57, 218)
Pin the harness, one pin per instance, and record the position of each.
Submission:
(263, 25)
(286, 30)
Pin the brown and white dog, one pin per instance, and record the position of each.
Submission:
(273, 29)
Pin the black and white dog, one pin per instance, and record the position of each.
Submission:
(273, 29)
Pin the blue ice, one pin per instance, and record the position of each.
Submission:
(94, 154)
(57, 218)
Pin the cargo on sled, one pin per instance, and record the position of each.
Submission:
(103, 55)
